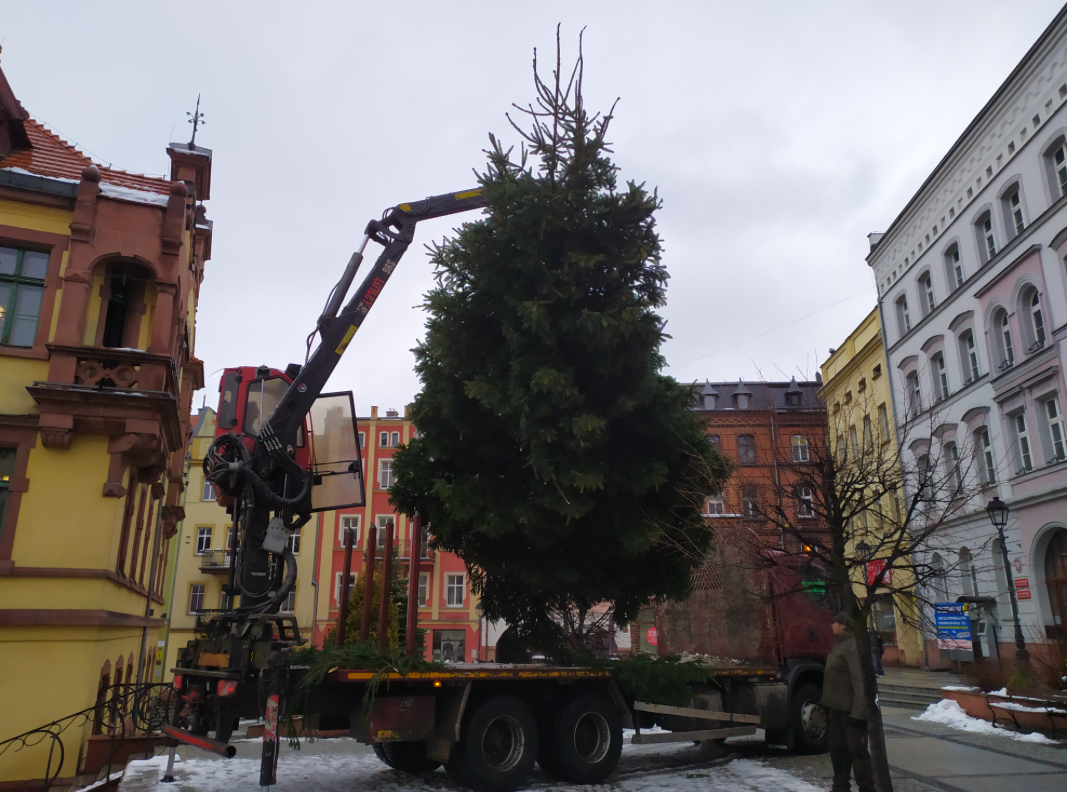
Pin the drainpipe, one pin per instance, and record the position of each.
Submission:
(774, 459)
(315, 579)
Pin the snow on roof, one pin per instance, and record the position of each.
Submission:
(109, 190)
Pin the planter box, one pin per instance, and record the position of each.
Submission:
(102, 749)
(974, 704)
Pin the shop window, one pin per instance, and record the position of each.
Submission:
(1056, 583)
(22, 274)
(885, 621)
(449, 646)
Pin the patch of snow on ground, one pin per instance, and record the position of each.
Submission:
(111, 777)
(949, 713)
(338, 769)
(963, 688)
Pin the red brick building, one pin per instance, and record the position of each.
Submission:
(768, 430)
(447, 611)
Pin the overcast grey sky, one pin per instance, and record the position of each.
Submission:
(778, 134)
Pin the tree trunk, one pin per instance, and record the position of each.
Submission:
(875, 732)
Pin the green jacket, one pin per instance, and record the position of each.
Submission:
(842, 684)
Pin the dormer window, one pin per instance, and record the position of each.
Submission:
(742, 401)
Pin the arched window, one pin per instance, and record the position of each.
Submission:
(953, 267)
(926, 292)
(969, 357)
(937, 363)
(903, 317)
(953, 475)
(1002, 345)
(1056, 581)
(968, 577)
(1012, 205)
(1033, 327)
(123, 294)
(984, 451)
(987, 243)
(1056, 163)
(914, 395)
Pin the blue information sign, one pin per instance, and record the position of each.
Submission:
(953, 626)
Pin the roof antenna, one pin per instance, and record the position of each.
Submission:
(196, 118)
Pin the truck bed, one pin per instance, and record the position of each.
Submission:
(505, 671)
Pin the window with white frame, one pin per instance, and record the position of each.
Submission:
(294, 541)
(854, 442)
(805, 507)
(937, 363)
(289, 603)
(953, 474)
(986, 468)
(953, 267)
(362, 439)
(209, 491)
(750, 503)
(338, 576)
(987, 243)
(1004, 348)
(883, 421)
(903, 317)
(385, 473)
(424, 589)
(203, 539)
(385, 522)
(868, 432)
(969, 357)
(196, 598)
(914, 395)
(1013, 212)
(923, 477)
(1054, 419)
(926, 291)
(716, 442)
(383, 440)
(348, 521)
(1057, 161)
(1035, 329)
(454, 590)
(800, 448)
(714, 505)
(394, 439)
(1022, 442)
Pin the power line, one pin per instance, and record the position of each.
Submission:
(774, 329)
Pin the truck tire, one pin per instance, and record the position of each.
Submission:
(379, 751)
(807, 720)
(408, 757)
(585, 743)
(498, 747)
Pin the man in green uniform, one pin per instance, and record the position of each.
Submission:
(842, 695)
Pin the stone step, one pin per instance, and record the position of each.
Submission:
(909, 699)
(934, 692)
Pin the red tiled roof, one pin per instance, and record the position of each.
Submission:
(50, 155)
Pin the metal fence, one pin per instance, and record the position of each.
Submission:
(121, 712)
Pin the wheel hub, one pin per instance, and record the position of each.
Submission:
(592, 737)
(503, 743)
(813, 720)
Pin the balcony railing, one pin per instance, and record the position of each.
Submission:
(216, 561)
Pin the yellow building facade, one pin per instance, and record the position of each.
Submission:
(857, 393)
(204, 556)
(100, 273)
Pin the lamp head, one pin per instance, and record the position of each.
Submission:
(998, 512)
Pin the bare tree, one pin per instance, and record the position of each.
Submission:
(879, 514)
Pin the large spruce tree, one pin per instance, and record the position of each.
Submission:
(553, 456)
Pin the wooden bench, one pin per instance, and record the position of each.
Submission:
(1052, 704)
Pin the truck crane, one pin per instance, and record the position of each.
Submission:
(487, 724)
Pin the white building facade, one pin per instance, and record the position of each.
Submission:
(972, 285)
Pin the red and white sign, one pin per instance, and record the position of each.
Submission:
(1023, 595)
(875, 568)
(270, 718)
(651, 636)
(1021, 583)
(1018, 565)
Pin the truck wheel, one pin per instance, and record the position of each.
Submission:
(807, 720)
(379, 751)
(499, 746)
(408, 757)
(586, 741)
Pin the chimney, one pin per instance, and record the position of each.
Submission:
(391, 413)
(874, 238)
(373, 412)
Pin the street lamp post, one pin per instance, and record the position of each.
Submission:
(481, 613)
(998, 515)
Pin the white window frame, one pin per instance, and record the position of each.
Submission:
(1059, 168)
(955, 267)
(382, 521)
(883, 419)
(750, 505)
(451, 587)
(927, 284)
(714, 505)
(805, 503)
(208, 492)
(385, 473)
(353, 521)
(952, 468)
(1037, 321)
(394, 439)
(868, 432)
(985, 449)
(903, 317)
(196, 591)
(294, 541)
(353, 576)
(383, 439)
(423, 593)
(801, 451)
(1005, 338)
(969, 356)
(1022, 441)
(1015, 210)
(289, 603)
(988, 237)
(913, 393)
(1057, 433)
(853, 441)
(200, 529)
(362, 439)
(940, 375)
